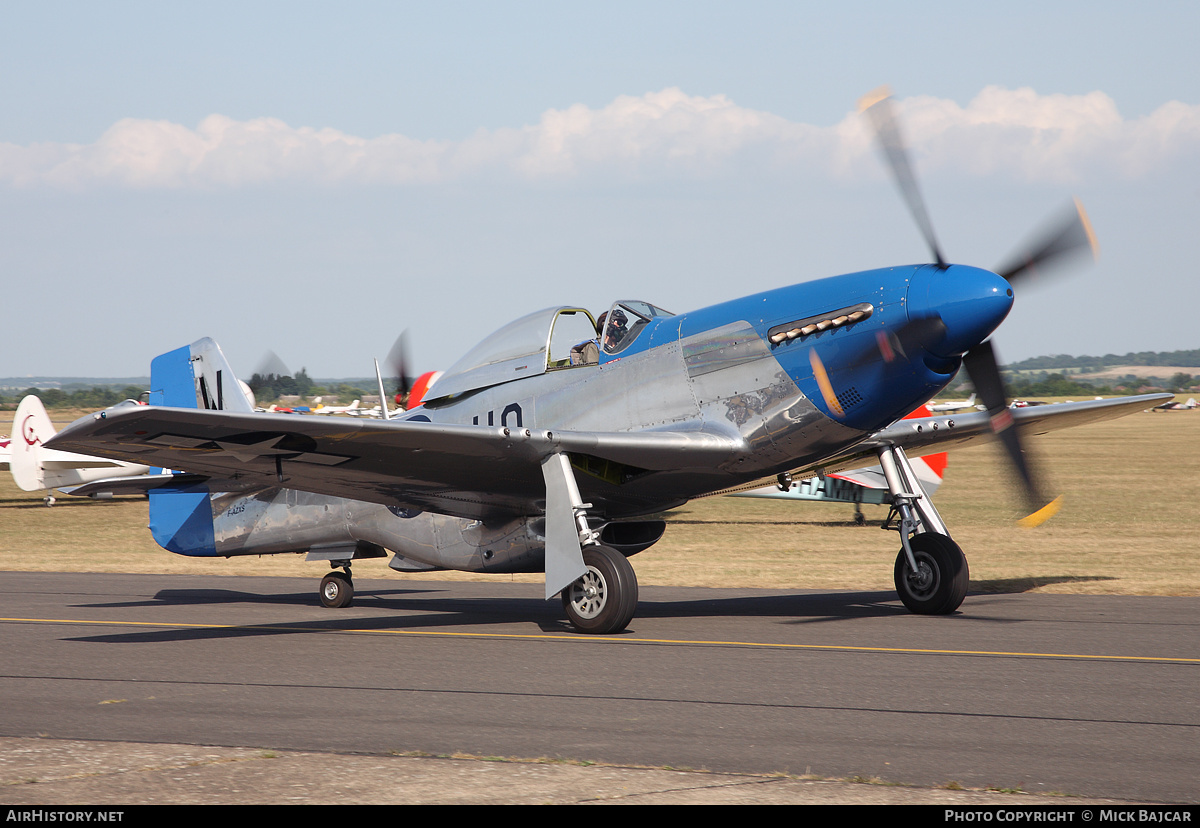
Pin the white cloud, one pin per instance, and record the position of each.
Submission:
(1050, 137)
(660, 129)
(1000, 132)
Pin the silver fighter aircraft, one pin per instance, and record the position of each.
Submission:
(553, 444)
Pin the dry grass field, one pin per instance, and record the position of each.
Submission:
(1130, 525)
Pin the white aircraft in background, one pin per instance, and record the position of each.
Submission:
(352, 409)
(34, 467)
(1177, 406)
(953, 405)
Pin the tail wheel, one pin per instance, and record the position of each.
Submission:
(939, 585)
(605, 598)
(337, 590)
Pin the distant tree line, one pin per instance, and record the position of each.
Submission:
(1100, 363)
(1044, 384)
(1055, 385)
(94, 398)
(270, 387)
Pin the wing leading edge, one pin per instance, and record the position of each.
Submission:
(462, 470)
(925, 435)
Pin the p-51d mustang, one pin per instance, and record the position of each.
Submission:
(533, 454)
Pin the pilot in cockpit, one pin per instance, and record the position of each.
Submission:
(616, 330)
(587, 352)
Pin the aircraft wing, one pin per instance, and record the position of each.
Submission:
(462, 470)
(925, 435)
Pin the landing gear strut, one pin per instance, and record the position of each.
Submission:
(931, 572)
(605, 598)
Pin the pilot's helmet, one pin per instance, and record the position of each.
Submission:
(618, 318)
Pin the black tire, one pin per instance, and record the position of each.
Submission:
(941, 583)
(337, 590)
(605, 599)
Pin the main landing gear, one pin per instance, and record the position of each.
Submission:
(938, 583)
(605, 598)
(337, 588)
(931, 571)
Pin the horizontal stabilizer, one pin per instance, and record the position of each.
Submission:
(134, 485)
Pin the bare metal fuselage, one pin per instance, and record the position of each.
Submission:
(722, 381)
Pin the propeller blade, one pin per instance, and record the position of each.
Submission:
(910, 340)
(270, 363)
(398, 361)
(270, 369)
(984, 371)
(1071, 235)
(877, 106)
(1061, 239)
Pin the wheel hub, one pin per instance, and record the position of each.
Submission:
(921, 579)
(925, 580)
(588, 594)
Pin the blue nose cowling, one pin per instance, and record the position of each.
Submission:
(971, 302)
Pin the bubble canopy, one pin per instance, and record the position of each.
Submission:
(540, 342)
(522, 348)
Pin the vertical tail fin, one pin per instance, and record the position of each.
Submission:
(194, 376)
(35, 467)
(31, 428)
(198, 376)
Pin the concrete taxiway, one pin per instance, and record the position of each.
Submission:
(1083, 695)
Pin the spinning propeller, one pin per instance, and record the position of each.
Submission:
(410, 390)
(1058, 241)
(397, 361)
(270, 365)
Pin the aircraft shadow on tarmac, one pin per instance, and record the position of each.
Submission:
(432, 608)
(1010, 586)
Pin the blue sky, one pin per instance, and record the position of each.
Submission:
(312, 178)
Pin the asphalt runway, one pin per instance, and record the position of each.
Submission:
(1083, 695)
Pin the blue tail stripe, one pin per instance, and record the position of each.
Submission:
(171, 380)
(181, 520)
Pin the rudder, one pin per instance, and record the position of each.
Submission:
(31, 428)
(198, 376)
(194, 376)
